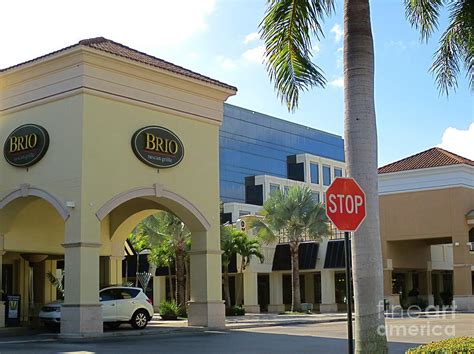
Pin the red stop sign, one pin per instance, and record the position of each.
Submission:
(345, 204)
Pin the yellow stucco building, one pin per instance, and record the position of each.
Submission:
(73, 182)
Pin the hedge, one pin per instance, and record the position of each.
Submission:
(459, 345)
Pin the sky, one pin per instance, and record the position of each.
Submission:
(219, 38)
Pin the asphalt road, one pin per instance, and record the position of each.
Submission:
(265, 340)
(403, 333)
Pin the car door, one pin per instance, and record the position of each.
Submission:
(108, 299)
(127, 303)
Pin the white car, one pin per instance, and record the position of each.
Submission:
(119, 305)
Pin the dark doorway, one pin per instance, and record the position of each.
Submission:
(263, 281)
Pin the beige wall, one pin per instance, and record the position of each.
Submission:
(411, 222)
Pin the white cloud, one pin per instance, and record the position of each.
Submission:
(226, 63)
(459, 141)
(338, 32)
(255, 55)
(145, 25)
(251, 37)
(315, 49)
(339, 82)
(340, 59)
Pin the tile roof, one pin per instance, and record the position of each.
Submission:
(434, 157)
(111, 47)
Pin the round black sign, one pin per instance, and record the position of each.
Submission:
(157, 147)
(26, 145)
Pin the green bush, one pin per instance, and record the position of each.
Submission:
(235, 311)
(169, 310)
(459, 345)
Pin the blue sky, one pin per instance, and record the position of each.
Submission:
(216, 38)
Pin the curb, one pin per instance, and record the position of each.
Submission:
(284, 323)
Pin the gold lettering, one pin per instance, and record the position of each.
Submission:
(159, 145)
(13, 144)
(32, 141)
(173, 147)
(150, 142)
(20, 143)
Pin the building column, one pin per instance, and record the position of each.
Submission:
(81, 313)
(159, 291)
(463, 298)
(251, 292)
(49, 290)
(328, 291)
(276, 293)
(393, 299)
(309, 287)
(206, 307)
(426, 288)
(2, 304)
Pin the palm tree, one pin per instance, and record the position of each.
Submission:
(293, 216)
(166, 228)
(228, 251)
(247, 248)
(287, 30)
(163, 256)
(456, 46)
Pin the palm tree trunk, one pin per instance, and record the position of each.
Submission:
(295, 278)
(226, 286)
(360, 133)
(180, 283)
(170, 280)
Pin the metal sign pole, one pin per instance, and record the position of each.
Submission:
(348, 294)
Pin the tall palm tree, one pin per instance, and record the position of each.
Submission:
(162, 255)
(247, 248)
(295, 217)
(228, 251)
(166, 226)
(287, 30)
(456, 46)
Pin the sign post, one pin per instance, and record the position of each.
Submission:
(345, 206)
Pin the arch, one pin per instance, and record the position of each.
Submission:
(170, 200)
(26, 190)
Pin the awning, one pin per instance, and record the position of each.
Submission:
(335, 254)
(308, 254)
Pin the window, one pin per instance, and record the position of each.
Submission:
(337, 172)
(109, 295)
(274, 187)
(316, 197)
(128, 293)
(243, 213)
(286, 189)
(326, 175)
(314, 172)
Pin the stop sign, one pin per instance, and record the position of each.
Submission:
(345, 204)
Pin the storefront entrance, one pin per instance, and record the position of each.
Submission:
(94, 141)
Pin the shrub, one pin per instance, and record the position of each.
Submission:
(169, 310)
(235, 311)
(459, 345)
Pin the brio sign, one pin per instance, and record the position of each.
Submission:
(26, 145)
(157, 147)
(345, 204)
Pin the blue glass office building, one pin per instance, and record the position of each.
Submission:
(253, 144)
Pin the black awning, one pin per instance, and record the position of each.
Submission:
(307, 254)
(335, 254)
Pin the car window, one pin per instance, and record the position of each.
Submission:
(109, 294)
(129, 293)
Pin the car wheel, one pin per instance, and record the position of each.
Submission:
(112, 325)
(139, 319)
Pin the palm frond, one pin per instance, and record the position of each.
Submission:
(423, 15)
(287, 29)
